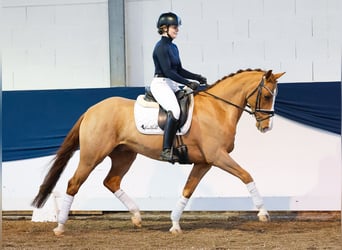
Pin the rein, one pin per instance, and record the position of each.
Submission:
(228, 102)
(257, 104)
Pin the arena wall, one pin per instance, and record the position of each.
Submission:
(55, 44)
(64, 44)
(60, 44)
(218, 37)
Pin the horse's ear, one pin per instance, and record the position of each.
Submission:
(278, 75)
(268, 74)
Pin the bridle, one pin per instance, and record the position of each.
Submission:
(250, 110)
(258, 89)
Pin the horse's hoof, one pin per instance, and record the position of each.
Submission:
(264, 217)
(136, 221)
(59, 230)
(175, 230)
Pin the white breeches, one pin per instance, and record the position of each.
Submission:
(163, 90)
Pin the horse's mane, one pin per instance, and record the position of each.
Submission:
(233, 74)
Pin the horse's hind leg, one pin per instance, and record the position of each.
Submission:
(81, 174)
(196, 174)
(121, 162)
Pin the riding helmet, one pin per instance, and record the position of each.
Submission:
(168, 19)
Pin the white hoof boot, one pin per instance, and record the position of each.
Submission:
(264, 216)
(59, 230)
(136, 219)
(175, 229)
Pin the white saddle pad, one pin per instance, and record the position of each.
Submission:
(146, 117)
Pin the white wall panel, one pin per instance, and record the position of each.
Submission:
(333, 7)
(301, 70)
(334, 49)
(276, 34)
(192, 53)
(41, 15)
(20, 3)
(308, 8)
(283, 49)
(187, 10)
(63, 44)
(211, 71)
(279, 8)
(83, 25)
(295, 28)
(232, 28)
(14, 17)
(249, 49)
(197, 30)
(222, 53)
(248, 8)
(264, 28)
(217, 9)
(311, 49)
(326, 69)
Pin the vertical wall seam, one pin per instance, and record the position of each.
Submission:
(26, 15)
(248, 29)
(312, 71)
(202, 16)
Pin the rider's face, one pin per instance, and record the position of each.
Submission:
(173, 31)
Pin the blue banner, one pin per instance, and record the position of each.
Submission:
(36, 122)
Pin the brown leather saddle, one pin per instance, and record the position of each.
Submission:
(184, 102)
(180, 149)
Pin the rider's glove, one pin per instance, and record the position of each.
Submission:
(202, 80)
(192, 85)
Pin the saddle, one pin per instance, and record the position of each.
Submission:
(183, 98)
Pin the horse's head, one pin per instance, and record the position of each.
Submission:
(261, 100)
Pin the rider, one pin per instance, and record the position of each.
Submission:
(168, 74)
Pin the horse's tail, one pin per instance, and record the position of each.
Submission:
(64, 153)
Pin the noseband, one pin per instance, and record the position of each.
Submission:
(257, 109)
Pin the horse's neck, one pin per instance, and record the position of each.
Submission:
(234, 90)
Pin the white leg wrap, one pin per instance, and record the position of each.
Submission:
(177, 212)
(127, 201)
(65, 209)
(257, 200)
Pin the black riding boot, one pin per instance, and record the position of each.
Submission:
(170, 130)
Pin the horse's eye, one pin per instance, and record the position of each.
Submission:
(267, 97)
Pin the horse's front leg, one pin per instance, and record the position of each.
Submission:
(196, 174)
(225, 162)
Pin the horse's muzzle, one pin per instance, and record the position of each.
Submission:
(265, 125)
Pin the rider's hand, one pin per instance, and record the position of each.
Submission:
(202, 80)
(193, 85)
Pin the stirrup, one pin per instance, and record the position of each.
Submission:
(167, 155)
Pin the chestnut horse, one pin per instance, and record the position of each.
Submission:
(108, 129)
